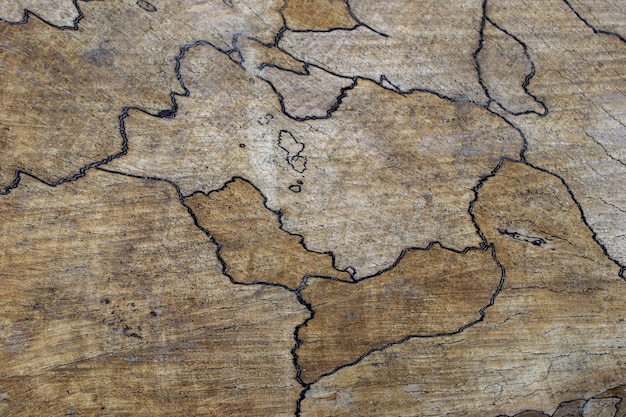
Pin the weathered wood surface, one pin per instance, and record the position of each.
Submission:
(313, 208)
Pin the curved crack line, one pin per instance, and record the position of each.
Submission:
(528, 77)
(606, 152)
(360, 23)
(590, 26)
(481, 41)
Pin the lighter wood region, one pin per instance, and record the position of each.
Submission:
(60, 13)
(407, 162)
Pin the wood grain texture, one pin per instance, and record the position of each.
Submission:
(586, 98)
(313, 208)
(113, 303)
(606, 16)
(352, 160)
(70, 87)
(416, 52)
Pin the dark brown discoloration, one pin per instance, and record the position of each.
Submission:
(426, 293)
(537, 331)
(317, 15)
(253, 247)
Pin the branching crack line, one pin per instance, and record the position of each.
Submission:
(604, 149)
